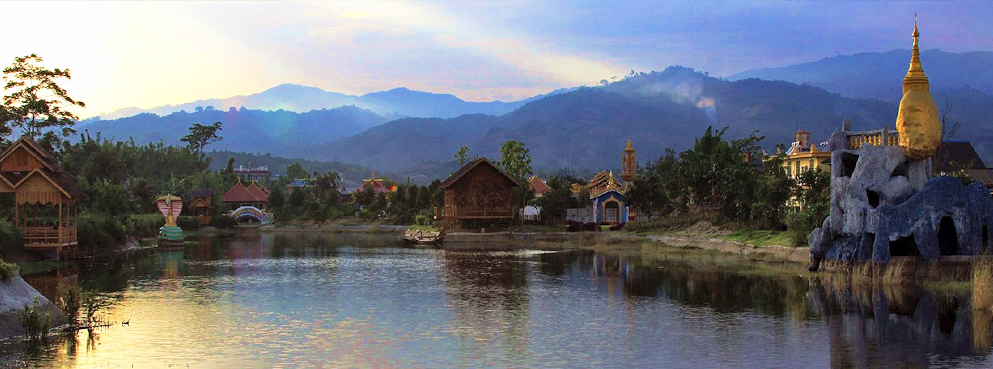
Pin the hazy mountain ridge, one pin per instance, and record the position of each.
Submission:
(398, 102)
(588, 127)
(244, 129)
(879, 74)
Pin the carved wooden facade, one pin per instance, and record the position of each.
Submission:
(44, 196)
(478, 191)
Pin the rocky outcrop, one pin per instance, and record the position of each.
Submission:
(883, 205)
(14, 294)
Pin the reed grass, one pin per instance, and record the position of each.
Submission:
(982, 284)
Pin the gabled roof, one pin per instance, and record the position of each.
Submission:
(258, 192)
(61, 181)
(240, 193)
(955, 155)
(472, 165)
(538, 186)
(34, 149)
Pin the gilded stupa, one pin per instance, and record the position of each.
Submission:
(918, 120)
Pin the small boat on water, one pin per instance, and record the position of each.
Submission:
(423, 237)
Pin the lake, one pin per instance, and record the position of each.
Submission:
(309, 300)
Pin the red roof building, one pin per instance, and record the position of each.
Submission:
(378, 185)
(241, 195)
(538, 186)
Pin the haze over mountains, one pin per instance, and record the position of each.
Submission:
(585, 127)
(399, 102)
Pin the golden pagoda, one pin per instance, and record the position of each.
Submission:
(918, 121)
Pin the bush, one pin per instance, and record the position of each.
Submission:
(7, 271)
(100, 231)
(70, 301)
(144, 225)
(34, 323)
(421, 219)
(187, 222)
(222, 221)
(10, 239)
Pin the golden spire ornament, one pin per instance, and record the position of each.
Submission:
(918, 120)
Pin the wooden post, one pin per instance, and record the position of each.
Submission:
(58, 224)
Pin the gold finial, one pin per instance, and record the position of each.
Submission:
(915, 78)
(629, 147)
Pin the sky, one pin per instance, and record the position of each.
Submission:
(147, 54)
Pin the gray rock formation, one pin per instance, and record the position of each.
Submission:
(883, 205)
(14, 294)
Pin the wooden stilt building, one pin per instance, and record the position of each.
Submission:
(45, 197)
(479, 191)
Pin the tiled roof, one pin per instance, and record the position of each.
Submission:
(240, 193)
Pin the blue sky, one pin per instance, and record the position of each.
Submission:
(148, 54)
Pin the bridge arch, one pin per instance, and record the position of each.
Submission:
(250, 212)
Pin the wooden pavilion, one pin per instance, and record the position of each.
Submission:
(240, 195)
(45, 208)
(201, 205)
(479, 191)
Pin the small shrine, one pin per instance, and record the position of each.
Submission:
(170, 207)
(201, 205)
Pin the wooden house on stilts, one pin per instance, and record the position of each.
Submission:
(479, 192)
(45, 197)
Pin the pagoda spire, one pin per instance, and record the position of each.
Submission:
(915, 78)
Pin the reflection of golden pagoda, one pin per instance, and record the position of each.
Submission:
(918, 121)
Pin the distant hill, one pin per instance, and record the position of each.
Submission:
(878, 74)
(244, 130)
(588, 127)
(398, 102)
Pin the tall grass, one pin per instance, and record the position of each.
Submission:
(982, 284)
(35, 324)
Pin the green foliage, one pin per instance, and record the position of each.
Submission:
(187, 222)
(421, 219)
(70, 301)
(297, 198)
(516, 160)
(462, 155)
(10, 238)
(36, 104)
(200, 136)
(296, 171)
(7, 270)
(276, 198)
(222, 221)
(35, 324)
(100, 231)
(555, 202)
(814, 196)
(143, 225)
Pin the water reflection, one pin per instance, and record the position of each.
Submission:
(345, 300)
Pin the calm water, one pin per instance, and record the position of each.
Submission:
(305, 300)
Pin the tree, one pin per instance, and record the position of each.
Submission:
(200, 136)
(36, 104)
(462, 155)
(325, 184)
(516, 160)
(228, 169)
(296, 171)
(296, 198)
(276, 198)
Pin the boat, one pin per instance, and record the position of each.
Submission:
(423, 237)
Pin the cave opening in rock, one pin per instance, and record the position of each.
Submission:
(948, 241)
(873, 198)
(848, 162)
(904, 246)
(900, 170)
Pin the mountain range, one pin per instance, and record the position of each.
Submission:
(879, 75)
(586, 127)
(398, 102)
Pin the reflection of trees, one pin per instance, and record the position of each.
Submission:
(693, 284)
(489, 298)
(897, 326)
